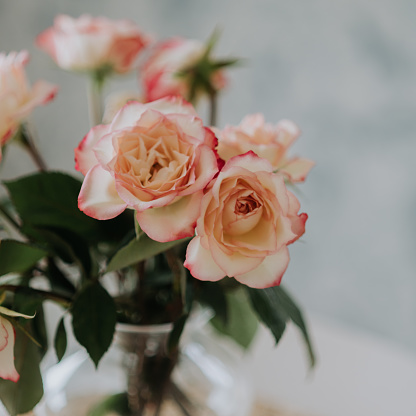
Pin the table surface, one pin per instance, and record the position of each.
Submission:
(357, 373)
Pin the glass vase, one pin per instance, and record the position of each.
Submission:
(140, 376)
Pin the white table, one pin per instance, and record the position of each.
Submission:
(357, 374)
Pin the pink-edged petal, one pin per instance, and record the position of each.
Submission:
(43, 92)
(45, 41)
(171, 222)
(141, 205)
(269, 273)
(190, 125)
(234, 263)
(128, 115)
(173, 105)
(98, 197)
(297, 169)
(200, 262)
(85, 157)
(249, 161)
(298, 226)
(7, 368)
(205, 170)
(288, 132)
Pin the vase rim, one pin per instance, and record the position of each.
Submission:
(144, 329)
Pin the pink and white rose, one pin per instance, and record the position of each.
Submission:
(248, 218)
(269, 141)
(7, 340)
(155, 158)
(160, 77)
(17, 97)
(89, 43)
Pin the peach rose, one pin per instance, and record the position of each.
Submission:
(266, 140)
(248, 218)
(17, 98)
(155, 158)
(7, 340)
(160, 72)
(91, 43)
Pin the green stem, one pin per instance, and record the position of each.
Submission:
(63, 300)
(9, 217)
(95, 110)
(28, 143)
(213, 107)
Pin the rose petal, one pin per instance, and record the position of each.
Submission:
(297, 169)
(85, 157)
(173, 105)
(7, 368)
(269, 273)
(171, 222)
(98, 197)
(249, 161)
(235, 263)
(128, 115)
(200, 263)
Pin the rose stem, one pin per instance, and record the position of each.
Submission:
(95, 87)
(9, 217)
(28, 143)
(63, 300)
(213, 107)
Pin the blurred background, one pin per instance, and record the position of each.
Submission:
(345, 72)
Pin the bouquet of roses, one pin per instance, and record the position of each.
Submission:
(169, 211)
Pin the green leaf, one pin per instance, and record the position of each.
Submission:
(241, 324)
(296, 316)
(275, 307)
(62, 243)
(31, 305)
(116, 404)
(60, 342)
(50, 200)
(213, 295)
(94, 320)
(267, 307)
(58, 280)
(18, 257)
(21, 397)
(139, 250)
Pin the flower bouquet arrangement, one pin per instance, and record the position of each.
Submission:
(164, 211)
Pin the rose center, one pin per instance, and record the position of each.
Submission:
(246, 204)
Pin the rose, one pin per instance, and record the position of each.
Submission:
(266, 140)
(161, 75)
(7, 340)
(17, 98)
(155, 158)
(92, 43)
(248, 218)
